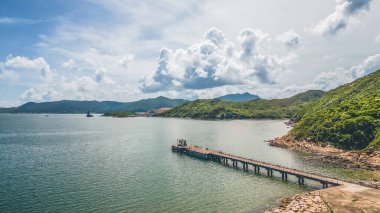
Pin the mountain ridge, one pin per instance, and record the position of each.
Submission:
(238, 97)
(72, 106)
(215, 109)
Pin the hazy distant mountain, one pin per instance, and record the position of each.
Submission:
(6, 110)
(239, 97)
(152, 104)
(69, 106)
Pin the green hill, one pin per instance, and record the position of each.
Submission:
(346, 117)
(120, 114)
(69, 106)
(255, 109)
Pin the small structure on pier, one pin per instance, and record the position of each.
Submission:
(89, 115)
(181, 142)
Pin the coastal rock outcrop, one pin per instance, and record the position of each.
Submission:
(307, 203)
(368, 159)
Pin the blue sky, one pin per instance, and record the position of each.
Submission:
(127, 50)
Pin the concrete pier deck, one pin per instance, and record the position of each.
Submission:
(246, 163)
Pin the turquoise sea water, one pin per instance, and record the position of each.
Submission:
(69, 163)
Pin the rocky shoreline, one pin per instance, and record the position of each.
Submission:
(368, 159)
(306, 202)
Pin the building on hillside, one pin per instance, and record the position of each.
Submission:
(161, 110)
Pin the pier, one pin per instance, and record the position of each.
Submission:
(257, 167)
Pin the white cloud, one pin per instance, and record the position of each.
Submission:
(69, 64)
(377, 39)
(84, 84)
(38, 64)
(289, 39)
(339, 76)
(126, 60)
(216, 62)
(101, 76)
(12, 21)
(39, 93)
(8, 75)
(369, 65)
(345, 13)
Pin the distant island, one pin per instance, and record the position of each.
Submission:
(238, 97)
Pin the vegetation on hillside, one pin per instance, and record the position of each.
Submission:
(255, 109)
(120, 114)
(347, 117)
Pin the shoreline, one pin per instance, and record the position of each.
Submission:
(347, 197)
(352, 196)
(367, 160)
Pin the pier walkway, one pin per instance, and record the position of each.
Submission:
(245, 164)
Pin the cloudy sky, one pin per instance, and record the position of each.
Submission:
(126, 50)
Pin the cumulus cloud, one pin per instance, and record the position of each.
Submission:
(39, 93)
(216, 62)
(101, 76)
(339, 76)
(345, 12)
(84, 84)
(69, 64)
(126, 60)
(290, 39)
(8, 75)
(38, 64)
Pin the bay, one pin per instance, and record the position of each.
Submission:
(69, 163)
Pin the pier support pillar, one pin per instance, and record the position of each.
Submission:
(325, 185)
(269, 172)
(301, 180)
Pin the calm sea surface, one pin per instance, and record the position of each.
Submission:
(69, 163)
